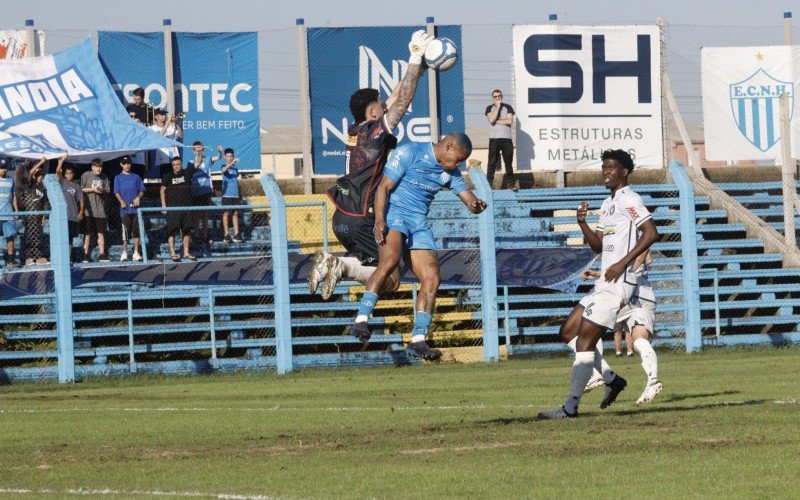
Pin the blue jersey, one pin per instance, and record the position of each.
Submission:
(418, 178)
(128, 187)
(7, 191)
(201, 180)
(230, 182)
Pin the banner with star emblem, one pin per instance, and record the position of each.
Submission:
(741, 91)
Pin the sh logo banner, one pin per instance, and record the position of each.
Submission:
(583, 89)
(342, 60)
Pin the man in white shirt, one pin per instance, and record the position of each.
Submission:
(625, 231)
(170, 127)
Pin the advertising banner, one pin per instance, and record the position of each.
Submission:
(741, 88)
(216, 85)
(63, 103)
(343, 60)
(584, 89)
(14, 44)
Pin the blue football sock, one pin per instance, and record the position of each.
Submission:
(368, 302)
(422, 323)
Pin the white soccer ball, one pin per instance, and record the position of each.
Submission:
(441, 54)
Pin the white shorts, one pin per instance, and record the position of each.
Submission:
(603, 304)
(641, 310)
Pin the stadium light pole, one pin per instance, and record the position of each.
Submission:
(168, 73)
(30, 33)
(433, 89)
(305, 104)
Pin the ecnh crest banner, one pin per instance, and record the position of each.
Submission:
(741, 91)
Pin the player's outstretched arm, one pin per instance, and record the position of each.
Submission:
(649, 236)
(473, 203)
(402, 95)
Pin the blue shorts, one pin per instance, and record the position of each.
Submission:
(8, 228)
(415, 228)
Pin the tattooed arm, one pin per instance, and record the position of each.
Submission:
(405, 91)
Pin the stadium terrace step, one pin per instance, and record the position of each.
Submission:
(706, 229)
(657, 217)
(710, 244)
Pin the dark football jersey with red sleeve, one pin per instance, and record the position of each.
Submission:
(368, 146)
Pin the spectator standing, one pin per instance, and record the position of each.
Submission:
(8, 205)
(142, 110)
(501, 118)
(202, 189)
(176, 191)
(96, 188)
(73, 195)
(231, 196)
(34, 198)
(129, 190)
(170, 127)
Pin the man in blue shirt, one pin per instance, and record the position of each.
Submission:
(231, 196)
(8, 205)
(129, 190)
(202, 190)
(414, 174)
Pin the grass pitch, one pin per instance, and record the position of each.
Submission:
(726, 425)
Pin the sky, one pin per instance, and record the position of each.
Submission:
(486, 33)
(253, 15)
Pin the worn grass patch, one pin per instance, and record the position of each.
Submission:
(725, 425)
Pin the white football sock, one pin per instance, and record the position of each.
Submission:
(649, 358)
(572, 343)
(353, 268)
(581, 373)
(601, 366)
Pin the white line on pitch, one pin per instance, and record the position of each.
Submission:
(272, 409)
(88, 491)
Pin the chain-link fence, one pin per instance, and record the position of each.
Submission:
(28, 347)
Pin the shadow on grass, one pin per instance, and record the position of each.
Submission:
(635, 411)
(674, 398)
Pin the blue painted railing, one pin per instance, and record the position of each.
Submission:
(691, 279)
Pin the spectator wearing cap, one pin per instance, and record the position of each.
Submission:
(96, 188)
(202, 189)
(129, 190)
(170, 127)
(73, 194)
(8, 205)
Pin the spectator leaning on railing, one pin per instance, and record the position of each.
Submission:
(8, 205)
(73, 194)
(231, 196)
(128, 189)
(96, 188)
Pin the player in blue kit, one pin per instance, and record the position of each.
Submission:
(414, 174)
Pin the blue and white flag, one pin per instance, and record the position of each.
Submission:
(63, 103)
(741, 97)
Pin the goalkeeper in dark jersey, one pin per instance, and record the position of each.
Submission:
(368, 145)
